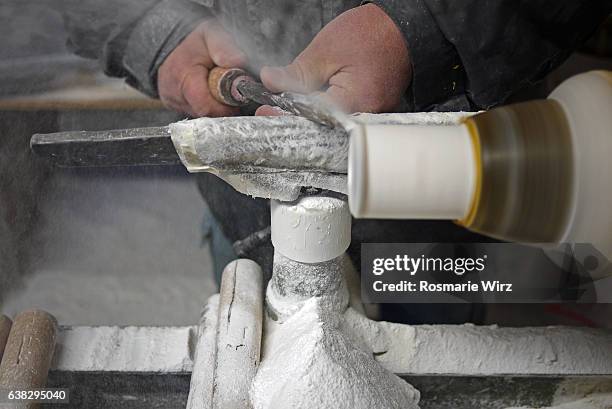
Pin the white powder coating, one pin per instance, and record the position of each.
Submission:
(309, 360)
(243, 143)
(137, 349)
(317, 204)
(239, 328)
(327, 369)
(202, 376)
(282, 142)
(274, 157)
(318, 344)
(410, 350)
(414, 118)
(282, 185)
(313, 229)
(490, 350)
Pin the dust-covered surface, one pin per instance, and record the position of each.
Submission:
(282, 142)
(204, 353)
(283, 185)
(309, 361)
(239, 331)
(416, 118)
(294, 283)
(275, 157)
(279, 143)
(491, 350)
(310, 358)
(270, 157)
(118, 249)
(169, 351)
(129, 349)
(302, 350)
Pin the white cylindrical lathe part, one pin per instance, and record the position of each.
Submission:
(312, 229)
(587, 102)
(411, 172)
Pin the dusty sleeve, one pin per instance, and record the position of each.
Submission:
(131, 38)
(474, 54)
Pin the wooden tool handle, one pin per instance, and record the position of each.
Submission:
(5, 328)
(220, 84)
(28, 352)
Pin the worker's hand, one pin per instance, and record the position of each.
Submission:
(360, 60)
(182, 79)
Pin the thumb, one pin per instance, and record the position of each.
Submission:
(307, 73)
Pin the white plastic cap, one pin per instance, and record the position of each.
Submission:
(411, 172)
(313, 229)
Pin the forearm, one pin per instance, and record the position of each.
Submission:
(130, 38)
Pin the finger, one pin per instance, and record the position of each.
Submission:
(180, 107)
(222, 48)
(267, 110)
(173, 100)
(168, 83)
(195, 48)
(201, 102)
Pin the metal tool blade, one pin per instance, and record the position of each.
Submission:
(297, 104)
(122, 147)
(255, 91)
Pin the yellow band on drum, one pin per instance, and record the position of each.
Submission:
(476, 145)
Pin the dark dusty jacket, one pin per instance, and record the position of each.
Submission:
(466, 54)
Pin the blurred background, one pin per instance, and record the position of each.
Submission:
(92, 246)
(122, 246)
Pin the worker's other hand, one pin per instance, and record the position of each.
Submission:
(360, 60)
(182, 79)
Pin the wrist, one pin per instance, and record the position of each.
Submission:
(161, 30)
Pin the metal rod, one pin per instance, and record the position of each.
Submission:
(121, 147)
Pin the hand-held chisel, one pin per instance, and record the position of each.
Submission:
(235, 87)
